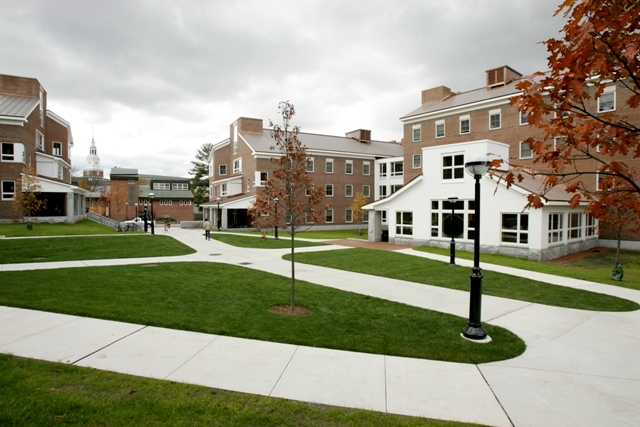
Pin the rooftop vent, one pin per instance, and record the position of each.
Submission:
(501, 76)
(361, 135)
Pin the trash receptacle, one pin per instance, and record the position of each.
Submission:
(385, 236)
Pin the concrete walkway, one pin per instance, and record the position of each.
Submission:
(581, 368)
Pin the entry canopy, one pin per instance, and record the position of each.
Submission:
(477, 164)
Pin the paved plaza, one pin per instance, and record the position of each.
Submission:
(581, 368)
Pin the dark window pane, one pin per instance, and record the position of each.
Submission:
(434, 204)
(447, 174)
(447, 161)
(459, 173)
(459, 160)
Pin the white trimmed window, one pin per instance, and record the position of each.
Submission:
(57, 148)
(525, 150)
(59, 172)
(607, 101)
(328, 190)
(555, 227)
(440, 129)
(328, 166)
(465, 124)
(12, 152)
(237, 166)
(366, 168)
(395, 188)
(383, 191)
(366, 191)
(223, 189)
(591, 229)
(384, 216)
(463, 219)
(416, 133)
(575, 226)
(179, 186)
(495, 119)
(382, 170)
(261, 178)
(348, 215)
(515, 228)
(559, 143)
(222, 169)
(417, 161)
(328, 216)
(348, 190)
(161, 186)
(404, 223)
(453, 166)
(39, 140)
(8, 190)
(348, 167)
(397, 168)
(524, 118)
(310, 164)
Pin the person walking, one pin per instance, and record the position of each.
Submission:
(207, 229)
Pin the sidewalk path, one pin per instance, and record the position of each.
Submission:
(581, 368)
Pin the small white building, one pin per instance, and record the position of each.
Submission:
(420, 214)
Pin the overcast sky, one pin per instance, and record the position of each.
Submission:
(157, 79)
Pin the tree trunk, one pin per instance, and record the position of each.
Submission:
(618, 247)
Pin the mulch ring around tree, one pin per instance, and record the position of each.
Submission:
(286, 310)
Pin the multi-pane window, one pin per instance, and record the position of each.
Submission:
(453, 166)
(8, 152)
(348, 215)
(39, 140)
(525, 150)
(404, 223)
(59, 172)
(440, 129)
(607, 101)
(179, 186)
(515, 228)
(494, 119)
(559, 143)
(8, 190)
(222, 169)
(397, 168)
(348, 167)
(348, 190)
(328, 215)
(328, 166)
(435, 218)
(261, 178)
(237, 166)
(185, 202)
(366, 191)
(555, 227)
(382, 170)
(443, 224)
(524, 118)
(328, 190)
(383, 191)
(161, 186)
(395, 188)
(384, 217)
(591, 226)
(416, 133)
(574, 230)
(366, 168)
(465, 124)
(57, 148)
(223, 189)
(310, 164)
(417, 161)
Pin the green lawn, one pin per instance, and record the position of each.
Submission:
(421, 270)
(244, 241)
(313, 234)
(595, 268)
(35, 393)
(81, 227)
(232, 300)
(50, 249)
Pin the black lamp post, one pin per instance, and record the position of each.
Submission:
(276, 228)
(126, 210)
(477, 165)
(218, 219)
(452, 249)
(151, 196)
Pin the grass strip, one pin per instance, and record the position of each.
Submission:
(310, 234)
(244, 241)
(232, 300)
(437, 273)
(36, 393)
(89, 247)
(596, 267)
(62, 229)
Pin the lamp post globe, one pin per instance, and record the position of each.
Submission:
(477, 165)
(452, 246)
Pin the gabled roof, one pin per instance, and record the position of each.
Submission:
(123, 172)
(262, 143)
(18, 107)
(534, 184)
(144, 190)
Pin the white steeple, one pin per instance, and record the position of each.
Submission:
(93, 160)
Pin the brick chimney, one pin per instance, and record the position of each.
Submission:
(436, 94)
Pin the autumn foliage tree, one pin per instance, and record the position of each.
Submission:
(27, 199)
(289, 183)
(359, 200)
(599, 48)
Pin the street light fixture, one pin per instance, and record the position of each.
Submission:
(151, 196)
(218, 219)
(452, 250)
(276, 228)
(476, 166)
(126, 210)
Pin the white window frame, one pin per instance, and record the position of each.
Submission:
(328, 166)
(522, 151)
(467, 119)
(328, 190)
(18, 153)
(348, 167)
(396, 187)
(417, 161)
(161, 186)
(559, 140)
(39, 140)
(258, 181)
(382, 190)
(60, 172)
(404, 228)
(328, 216)
(492, 114)
(591, 226)
(394, 168)
(222, 169)
(611, 90)
(523, 119)
(311, 164)
(8, 195)
(382, 170)
(56, 148)
(574, 232)
(453, 167)
(416, 133)
(555, 235)
(348, 215)
(237, 165)
(223, 189)
(348, 190)
(366, 191)
(520, 232)
(366, 168)
(440, 129)
(179, 186)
